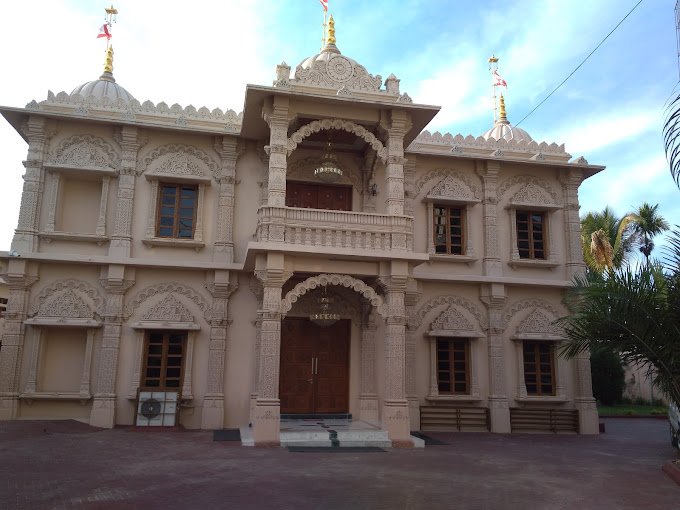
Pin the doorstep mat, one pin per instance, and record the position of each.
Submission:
(227, 435)
(429, 441)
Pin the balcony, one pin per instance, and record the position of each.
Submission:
(342, 232)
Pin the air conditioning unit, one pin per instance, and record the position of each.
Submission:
(157, 409)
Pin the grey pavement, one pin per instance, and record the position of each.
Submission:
(53, 465)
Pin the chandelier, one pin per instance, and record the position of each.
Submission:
(328, 170)
(323, 316)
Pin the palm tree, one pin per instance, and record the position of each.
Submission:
(606, 239)
(647, 223)
(671, 138)
(635, 312)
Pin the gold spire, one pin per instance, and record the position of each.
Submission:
(108, 62)
(503, 116)
(493, 59)
(330, 39)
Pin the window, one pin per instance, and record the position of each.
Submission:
(530, 234)
(539, 368)
(453, 361)
(3, 306)
(163, 356)
(177, 205)
(448, 230)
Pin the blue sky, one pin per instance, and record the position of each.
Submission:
(204, 52)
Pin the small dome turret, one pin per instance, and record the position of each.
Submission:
(105, 86)
(502, 129)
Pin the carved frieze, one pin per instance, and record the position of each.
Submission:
(179, 160)
(169, 309)
(85, 151)
(338, 72)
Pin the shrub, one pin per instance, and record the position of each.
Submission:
(608, 376)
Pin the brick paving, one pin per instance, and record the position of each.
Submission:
(55, 465)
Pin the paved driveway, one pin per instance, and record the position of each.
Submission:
(70, 465)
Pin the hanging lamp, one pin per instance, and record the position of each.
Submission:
(324, 317)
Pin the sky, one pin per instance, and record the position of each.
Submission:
(203, 53)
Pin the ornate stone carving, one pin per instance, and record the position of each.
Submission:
(450, 183)
(86, 151)
(75, 290)
(66, 304)
(447, 139)
(451, 319)
(323, 280)
(338, 72)
(340, 124)
(539, 321)
(179, 159)
(513, 309)
(416, 320)
(173, 288)
(534, 195)
(535, 187)
(169, 309)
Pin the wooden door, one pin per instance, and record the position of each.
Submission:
(318, 196)
(314, 372)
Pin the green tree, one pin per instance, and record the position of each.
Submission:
(647, 224)
(606, 239)
(608, 375)
(632, 311)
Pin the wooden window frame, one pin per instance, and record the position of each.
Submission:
(537, 373)
(452, 359)
(462, 212)
(530, 254)
(162, 379)
(176, 217)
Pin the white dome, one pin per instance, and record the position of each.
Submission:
(503, 130)
(104, 87)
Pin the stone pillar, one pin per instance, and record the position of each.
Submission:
(572, 223)
(368, 395)
(266, 414)
(213, 401)
(277, 117)
(489, 171)
(121, 240)
(229, 149)
(499, 412)
(397, 125)
(103, 413)
(412, 297)
(588, 419)
(395, 411)
(257, 290)
(26, 235)
(13, 335)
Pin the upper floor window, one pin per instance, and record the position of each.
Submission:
(531, 234)
(177, 207)
(539, 368)
(453, 366)
(448, 223)
(3, 306)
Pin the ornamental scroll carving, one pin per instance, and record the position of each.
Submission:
(169, 309)
(338, 72)
(178, 160)
(539, 321)
(546, 309)
(451, 319)
(68, 298)
(324, 280)
(86, 151)
(448, 183)
(170, 288)
(535, 189)
(416, 319)
(340, 124)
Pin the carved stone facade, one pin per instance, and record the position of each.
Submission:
(85, 295)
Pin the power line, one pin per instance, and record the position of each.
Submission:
(582, 62)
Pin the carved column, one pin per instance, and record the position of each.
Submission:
(588, 418)
(368, 396)
(395, 411)
(103, 412)
(572, 222)
(213, 401)
(229, 150)
(13, 336)
(409, 185)
(257, 290)
(489, 171)
(121, 239)
(266, 414)
(412, 297)
(397, 125)
(499, 413)
(277, 118)
(26, 235)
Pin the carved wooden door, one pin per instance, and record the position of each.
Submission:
(318, 196)
(314, 375)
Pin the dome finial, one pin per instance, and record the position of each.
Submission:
(108, 62)
(331, 32)
(503, 116)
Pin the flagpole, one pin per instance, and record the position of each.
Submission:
(323, 33)
(493, 65)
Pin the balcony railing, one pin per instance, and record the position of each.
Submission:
(334, 229)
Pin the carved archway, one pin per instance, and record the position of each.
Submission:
(540, 311)
(195, 161)
(169, 288)
(416, 320)
(86, 151)
(340, 124)
(84, 292)
(324, 280)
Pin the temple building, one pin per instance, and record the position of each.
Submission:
(318, 254)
